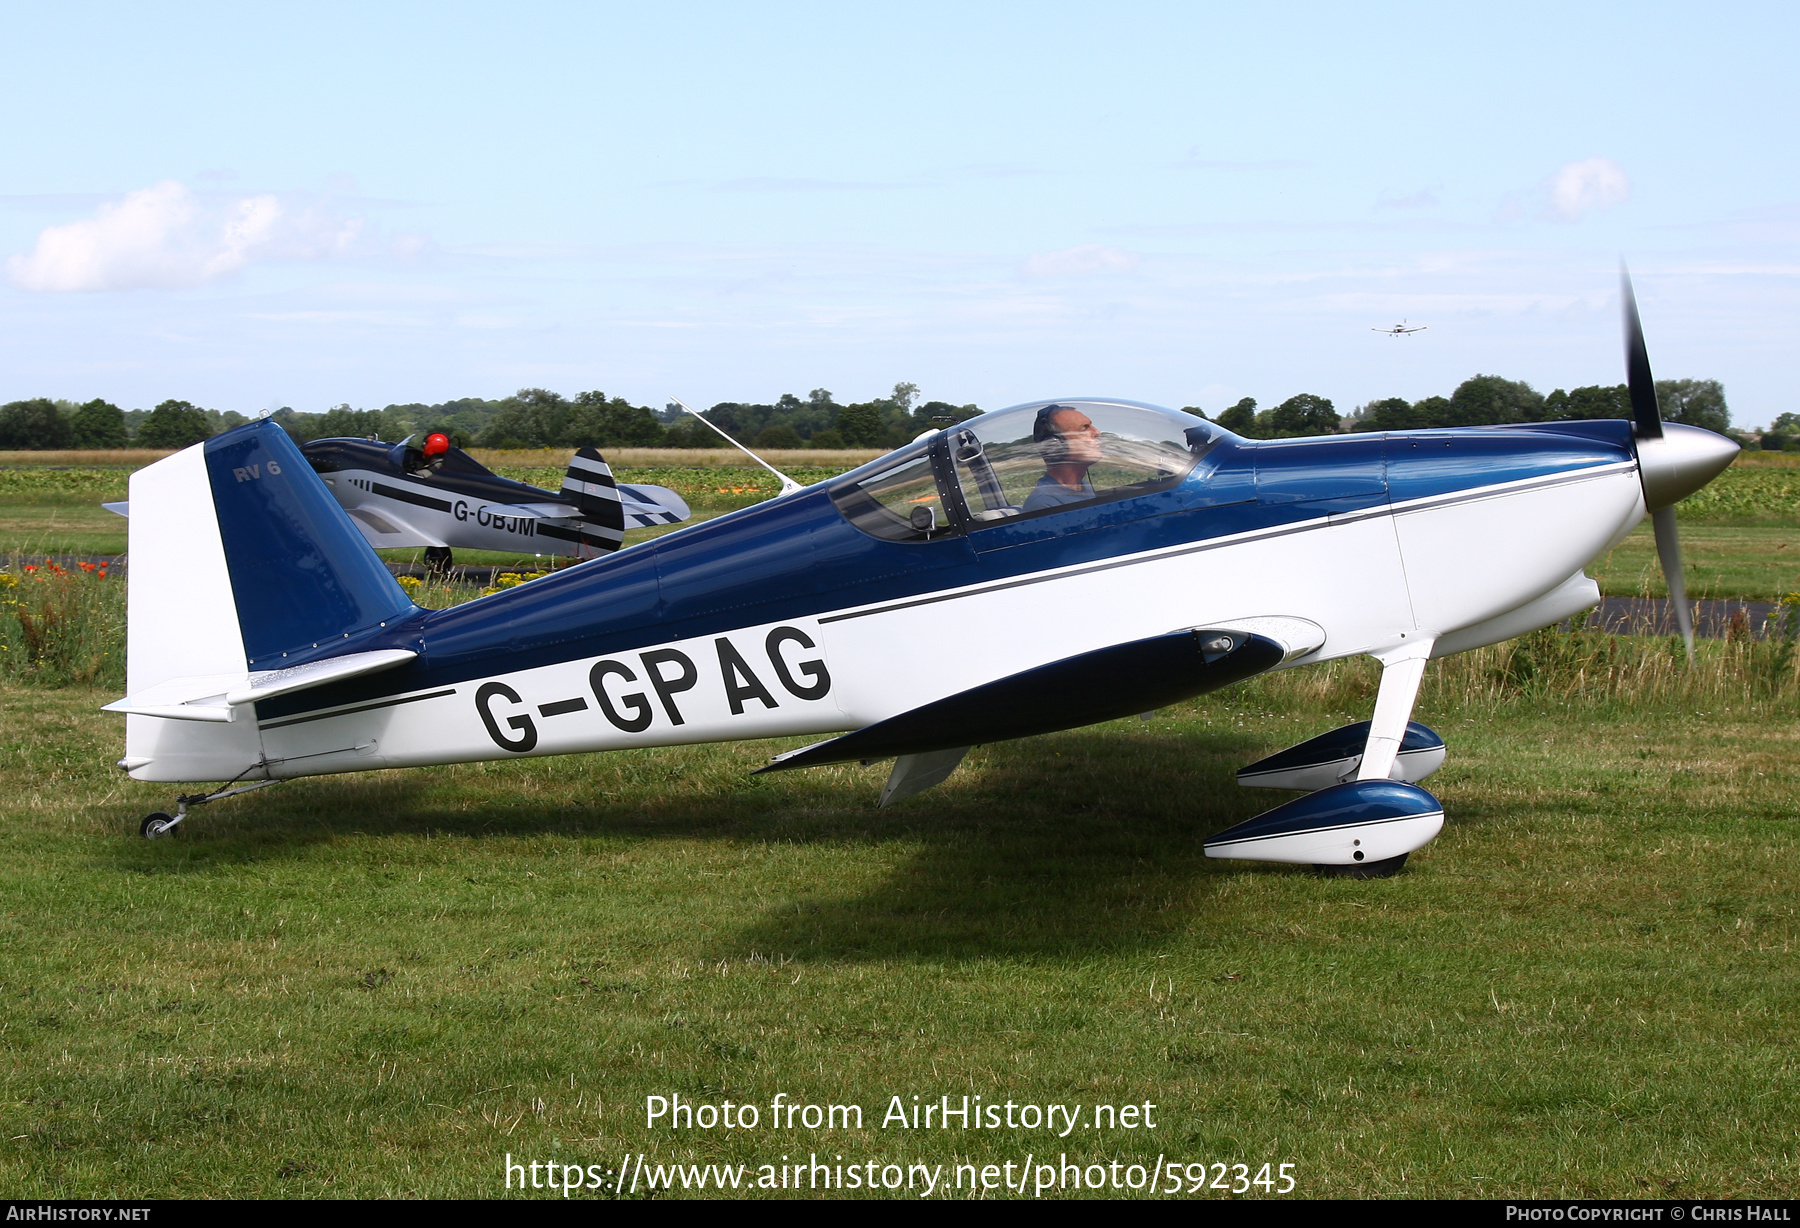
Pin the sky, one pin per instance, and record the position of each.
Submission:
(250, 206)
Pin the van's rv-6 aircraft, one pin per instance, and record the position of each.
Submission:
(1099, 558)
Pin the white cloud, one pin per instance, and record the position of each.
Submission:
(1083, 261)
(1592, 183)
(165, 237)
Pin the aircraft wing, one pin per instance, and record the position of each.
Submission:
(1102, 685)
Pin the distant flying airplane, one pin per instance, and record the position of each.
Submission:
(1399, 330)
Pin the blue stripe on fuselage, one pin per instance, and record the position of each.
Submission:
(797, 557)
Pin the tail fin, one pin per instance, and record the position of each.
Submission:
(590, 486)
(302, 575)
(240, 562)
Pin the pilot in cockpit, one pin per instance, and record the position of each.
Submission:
(1069, 443)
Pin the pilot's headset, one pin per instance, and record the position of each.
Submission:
(1053, 446)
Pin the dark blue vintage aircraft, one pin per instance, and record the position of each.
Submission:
(1099, 558)
(437, 496)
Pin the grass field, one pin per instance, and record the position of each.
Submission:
(382, 985)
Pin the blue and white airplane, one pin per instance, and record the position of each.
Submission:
(1098, 559)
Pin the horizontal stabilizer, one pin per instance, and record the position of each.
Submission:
(213, 697)
(1103, 685)
(1330, 758)
(648, 505)
(267, 684)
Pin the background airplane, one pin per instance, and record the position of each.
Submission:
(1400, 329)
(439, 497)
(1092, 559)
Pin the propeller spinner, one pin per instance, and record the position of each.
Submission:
(1674, 460)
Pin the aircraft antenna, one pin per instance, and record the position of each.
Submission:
(788, 485)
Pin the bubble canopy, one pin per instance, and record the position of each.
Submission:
(1029, 460)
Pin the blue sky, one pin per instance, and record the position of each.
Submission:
(252, 206)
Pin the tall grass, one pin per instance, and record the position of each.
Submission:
(66, 626)
(1569, 665)
(61, 626)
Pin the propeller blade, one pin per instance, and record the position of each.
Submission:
(1668, 551)
(1638, 380)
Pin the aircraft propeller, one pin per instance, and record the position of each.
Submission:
(1649, 425)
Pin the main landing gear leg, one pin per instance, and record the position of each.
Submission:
(155, 826)
(1400, 678)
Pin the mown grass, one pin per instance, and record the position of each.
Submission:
(381, 985)
(1759, 562)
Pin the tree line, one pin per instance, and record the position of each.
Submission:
(530, 418)
(540, 418)
(1485, 400)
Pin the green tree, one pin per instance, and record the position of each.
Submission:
(530, 418)
(342, 422)
(1696, 402)
(860, 425)
(1240, 418)
(301, 428)
(1303, 414)
(1392, 414)
(1489, 400)
(827, 438)
(597, 422)
(35, 425)
(1592, 401)
(934, 415)
(98, 424)
(1788, 424)
(174, 424)
(781, 435)
(1433, 412)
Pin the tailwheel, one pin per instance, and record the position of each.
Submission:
(1387, 867)
(438, 561)
(157, 825)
